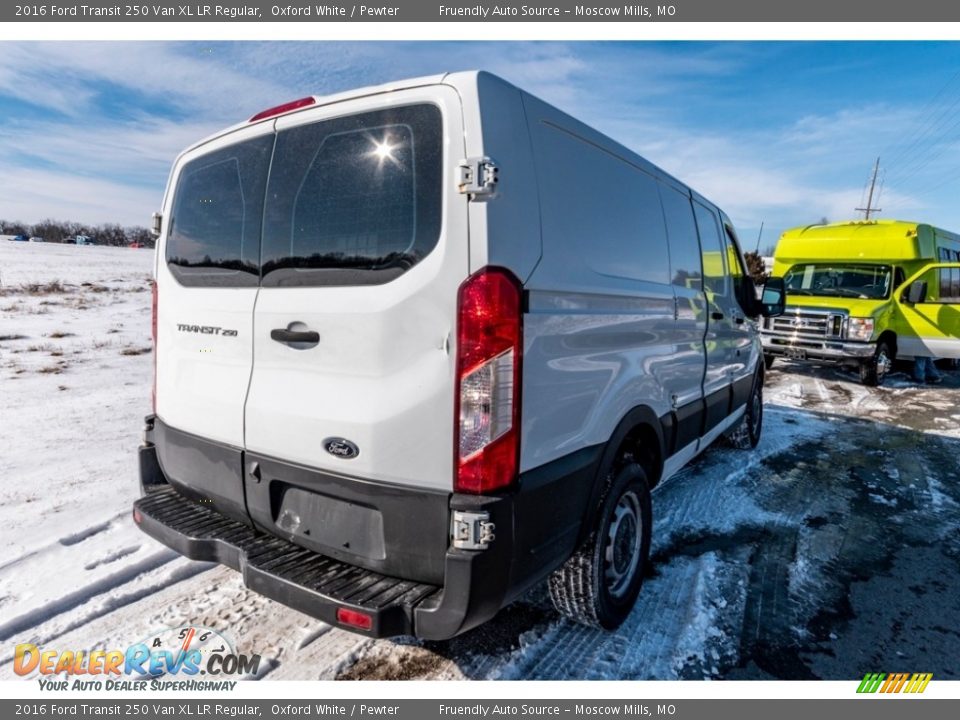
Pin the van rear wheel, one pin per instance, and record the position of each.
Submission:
(599, 584)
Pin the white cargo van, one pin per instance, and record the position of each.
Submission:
(422, 346)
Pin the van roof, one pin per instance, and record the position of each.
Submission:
(864, 240)
(321, 100)
(466, 83)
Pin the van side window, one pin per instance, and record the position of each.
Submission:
(714, 264)
(354, 200)
(214, 237)
(685, 263)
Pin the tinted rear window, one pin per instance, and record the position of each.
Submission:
(354, 200)
(351, 201)
(214, 236)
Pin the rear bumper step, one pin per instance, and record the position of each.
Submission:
(305, 580)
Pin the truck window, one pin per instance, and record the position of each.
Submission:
(354, 200)
(714, 264)
(949, 282)
(214, 236)
(899, 277)
(685, 263)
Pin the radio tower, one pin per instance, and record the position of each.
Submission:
(873, 183)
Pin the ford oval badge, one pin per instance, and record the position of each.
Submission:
(341, 448)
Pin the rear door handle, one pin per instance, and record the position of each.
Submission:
(738, 319)
(294, 336)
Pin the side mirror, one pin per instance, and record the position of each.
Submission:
(773, 301)
(916, 293)
(156, 223)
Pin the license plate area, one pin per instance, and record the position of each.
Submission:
(795, 353)
(321, 522)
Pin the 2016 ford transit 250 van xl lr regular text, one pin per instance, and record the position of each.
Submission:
(422, 346)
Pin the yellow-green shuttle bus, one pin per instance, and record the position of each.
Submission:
(864, 293)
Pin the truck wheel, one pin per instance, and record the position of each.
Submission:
(746, 434)
(768, 361)
(599, 584)
(874, 371)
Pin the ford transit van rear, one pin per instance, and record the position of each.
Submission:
(395, 387)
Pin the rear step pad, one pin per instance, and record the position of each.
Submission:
(305, 580)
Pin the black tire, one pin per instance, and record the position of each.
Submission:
(874, 371)
(746, 434)
(599, 584)
(768, 361)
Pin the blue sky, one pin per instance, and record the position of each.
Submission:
(778, 133)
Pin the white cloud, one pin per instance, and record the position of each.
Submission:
(81, 158)
(33, 195)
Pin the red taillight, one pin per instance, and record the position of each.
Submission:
(354, 618)
(487, 412)
(281, 109)
(153, 334)
(137, 517)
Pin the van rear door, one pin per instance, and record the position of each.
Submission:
(364, 249)
(207, 277)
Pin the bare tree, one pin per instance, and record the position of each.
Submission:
(59, 231)
(756, 267)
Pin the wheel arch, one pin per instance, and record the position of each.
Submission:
(638, 435)
(890, 337)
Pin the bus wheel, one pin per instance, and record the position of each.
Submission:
(874, 371)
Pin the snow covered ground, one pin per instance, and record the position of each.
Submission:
(831, 550)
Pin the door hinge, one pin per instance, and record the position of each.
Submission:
(478, 178)
(472, 530)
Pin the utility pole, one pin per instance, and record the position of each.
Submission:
(759, 235)
(873, 183)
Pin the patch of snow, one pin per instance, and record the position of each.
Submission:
(938, 498)
(882, 500)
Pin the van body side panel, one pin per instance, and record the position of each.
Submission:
(506, 230)
(600, 336)
(381, 374)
